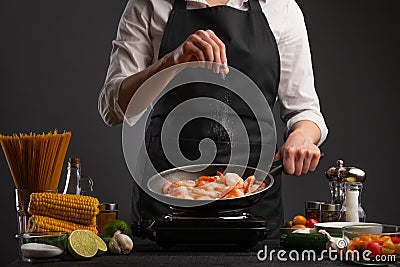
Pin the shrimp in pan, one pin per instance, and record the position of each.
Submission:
(220, 186)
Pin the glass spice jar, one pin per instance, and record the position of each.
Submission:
(313, 210)
(330, 212)
(108, 212)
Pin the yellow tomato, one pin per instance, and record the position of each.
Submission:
(387, 251)
(299, 220)
(388, 244)
(397, 248)
(366, 238)
(375, 237)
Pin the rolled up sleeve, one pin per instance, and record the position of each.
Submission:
(296, 93)
(132, 52)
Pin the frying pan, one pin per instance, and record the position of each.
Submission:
(192, 172)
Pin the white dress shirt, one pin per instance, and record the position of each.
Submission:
(138, 41)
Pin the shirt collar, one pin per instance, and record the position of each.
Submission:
(230, 2)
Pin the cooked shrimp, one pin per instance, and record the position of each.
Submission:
(186, 183)
(229, 189)
(236, 192)
(232, 178)
(197, 192)
(258, 186)
(165, 187)
(215, 187)
(181, 192)
(248, 183)
(204, 180)
(230, 185)
(221, 177)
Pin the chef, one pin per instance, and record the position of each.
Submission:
(265, 39)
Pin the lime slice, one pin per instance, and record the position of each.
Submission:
(101, 245)
(82, 245)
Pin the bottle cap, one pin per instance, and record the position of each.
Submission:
(74, 162)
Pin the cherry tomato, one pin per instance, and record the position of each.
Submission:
(375, 248)
(396, 240)
(379, 242)
(310, 223)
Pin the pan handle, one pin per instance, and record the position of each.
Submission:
(277, 166)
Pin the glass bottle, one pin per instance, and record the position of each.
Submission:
(73, 177)
(352, 210)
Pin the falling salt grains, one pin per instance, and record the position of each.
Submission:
(222, 74)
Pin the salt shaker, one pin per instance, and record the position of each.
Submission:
(352, 210)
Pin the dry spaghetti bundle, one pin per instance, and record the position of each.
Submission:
(36, 160)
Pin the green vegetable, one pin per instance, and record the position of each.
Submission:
(298, 241)
(115, 225)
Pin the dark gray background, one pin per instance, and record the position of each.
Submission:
(54, 56)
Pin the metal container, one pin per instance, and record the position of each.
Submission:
(342, 174)
(330, 212)
(313, 210)
(338, 176)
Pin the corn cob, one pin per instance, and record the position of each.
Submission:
(39, 223)
(66, 207)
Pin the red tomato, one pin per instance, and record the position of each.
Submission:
(375, 248)
(395, 240)
(379, 242)
(310, 223)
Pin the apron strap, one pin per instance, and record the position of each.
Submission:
(254, 5)
(180, 4)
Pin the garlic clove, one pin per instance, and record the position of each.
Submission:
(120, 243)
(334, 243)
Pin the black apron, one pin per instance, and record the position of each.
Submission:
(251, 48)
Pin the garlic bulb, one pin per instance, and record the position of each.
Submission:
(120, 243)
(334, 243)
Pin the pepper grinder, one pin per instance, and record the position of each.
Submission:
(346, 181)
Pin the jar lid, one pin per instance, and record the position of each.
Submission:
(330, 207)
(108, 207)
(313, 204)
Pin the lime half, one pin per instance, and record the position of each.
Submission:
(101, 245)
(82, 245)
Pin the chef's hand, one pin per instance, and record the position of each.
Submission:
(299, 153)
(203, 45)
